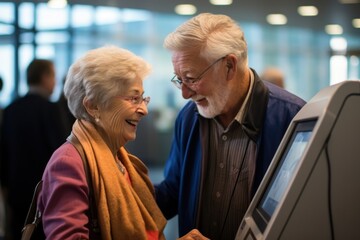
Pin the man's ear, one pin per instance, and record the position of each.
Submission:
(231, 63)
(91, 108)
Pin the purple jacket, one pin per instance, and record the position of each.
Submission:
(65, 195)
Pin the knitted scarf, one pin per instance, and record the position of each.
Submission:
(124, 211)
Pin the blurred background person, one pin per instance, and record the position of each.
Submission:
(274, 75)
(1, 87)
(68, 118)
(2, 201)
(31, 130)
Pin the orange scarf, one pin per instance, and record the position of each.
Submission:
(124, 211)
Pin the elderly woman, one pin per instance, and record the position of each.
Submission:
(105, 93)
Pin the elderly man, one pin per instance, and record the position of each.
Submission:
(226, 136)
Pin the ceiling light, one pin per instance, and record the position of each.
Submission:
(356, 22)
(221, 2)
(333, 29)
(349, 1)
(276, 19)
(185, 9)
(307, 11)
(338, 44)
(57, 3)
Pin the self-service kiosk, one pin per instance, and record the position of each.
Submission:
(312, 187)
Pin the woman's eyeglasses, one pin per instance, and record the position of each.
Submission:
(136, 100)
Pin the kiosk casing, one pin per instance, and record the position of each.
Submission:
(312, 187)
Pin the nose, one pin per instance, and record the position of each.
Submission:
(142, 109)
(186, 91)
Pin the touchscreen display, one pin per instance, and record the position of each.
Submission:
(285, 172)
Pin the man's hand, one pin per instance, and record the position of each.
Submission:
(193, 235)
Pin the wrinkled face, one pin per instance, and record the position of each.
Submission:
(120, 119)
(210, 93)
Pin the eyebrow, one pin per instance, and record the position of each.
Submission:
(137, 92)
(186, 70)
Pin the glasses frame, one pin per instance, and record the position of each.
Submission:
(136, 100)
(191, 81)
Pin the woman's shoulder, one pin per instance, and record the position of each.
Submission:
(65, 158)
(64, 182)
(65, 170)
(67, 150)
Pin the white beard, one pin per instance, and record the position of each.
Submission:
(216, 103)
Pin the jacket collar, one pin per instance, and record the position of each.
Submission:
(256, 108)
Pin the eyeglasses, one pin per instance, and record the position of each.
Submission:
(136, 100)
(191, 81)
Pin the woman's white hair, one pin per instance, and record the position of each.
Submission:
(101, 74)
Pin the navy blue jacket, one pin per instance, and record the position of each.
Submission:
(270, 111)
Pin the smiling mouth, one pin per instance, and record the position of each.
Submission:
(199, 101)
(133, 122)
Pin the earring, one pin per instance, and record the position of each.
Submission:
(97, 119)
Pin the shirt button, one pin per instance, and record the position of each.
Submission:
(218, 194)
(214, 224)
(224, 137)
(221, 165)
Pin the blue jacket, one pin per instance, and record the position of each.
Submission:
(270, 111)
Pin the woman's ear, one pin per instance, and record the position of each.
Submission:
(91, 108)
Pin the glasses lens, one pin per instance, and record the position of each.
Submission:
(146, 100)
(176, 81)
(177, 84)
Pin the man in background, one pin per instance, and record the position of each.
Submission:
(273, 75)
(2, 201)
(31, 130)
(67, 118)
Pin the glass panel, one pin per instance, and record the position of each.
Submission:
(6, 29)
(26, 51)
(338, 69)
(6, 73)
(7, 12)
(51, 18)
(26, 15)
(107, 15)
(354, 67)
(27, 37)
(52, 37)
(133, 15)
(82, 16)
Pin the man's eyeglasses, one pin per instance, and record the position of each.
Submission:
(191, 81)
(136, 100)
